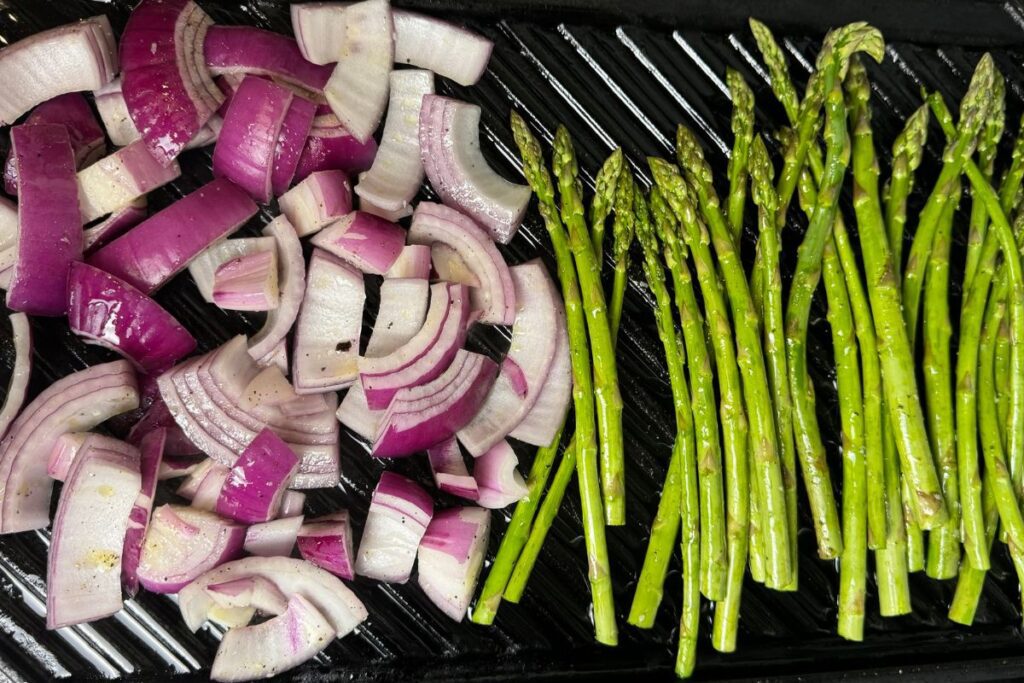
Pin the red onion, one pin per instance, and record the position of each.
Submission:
(399, 514)
(292, 282)
(496, 474)
(450, 473)
(111, 313)
(166, 85)
(331, 146)
(157, 249)
(69, 58)
(386, 214)
(277, 357)
(121, 129)
(157, 416)
(254, 486)
(320, 199)
(325, 591)
(207, 493)
(49, 227)
(248, 50)
(115, 225)
(423, 416)
(457, 170)
(73, 112)
(423, 358)
(8, 233)
(204, 266)
(119, 179)
(413, 262)
(83, 573)
(358, 88)
(151, 459)
(291, 142)
(541, 424)
(182, 544)
(188, 488)
(495, 295)
(256, 592)
(274, 538)
(451, 556)
(68, 447)
(247, 283)
(78, 402)
(175, 466)
(403, 307)
(18, 383)
(397, 171)
(365, 241)
(327, 542)
(292, 504)
(319, 28)
(446, 49)
(326, 348)
(355, 414)
(245, 149)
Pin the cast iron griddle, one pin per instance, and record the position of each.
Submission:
(616, 73)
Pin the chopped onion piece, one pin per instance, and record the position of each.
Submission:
(151, 460)
(119, 179)
(450, 473)
(291, 142)
(247, 283)
(188, 488)
(114, 225)
(320, 199)
(208, 492)
(541, 424)
(457, 170)
(365, 241)
(403, 307)
(274, 538)
(355, 414)
(386, 214)
(292, 504)
(248, 50)
(256, 482)
(182, 544)
(175, 467)
(496, 474)
(399, 514)
(330, 146)
(327, 542)
(69, 446)
(319, 28)
(397, 170)
(413, 262)
(121, 129)
(18, 383)
(157, 416)
(292, 282)
(252, 591)
(451, 556)
(204, 266)
(446, 49)
(270, 387)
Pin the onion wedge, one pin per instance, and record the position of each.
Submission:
(450, 473)
(327, 543)
(291, 143)
(248, 50)
(121, 129)
(18, 383)
(451, 556)
(399, 514)
(320, 199)
(365, 241)
(115, 181)
(151, 451)
(292, 282)
(413, 262)
(496, 474)
(183, 543)
(204, 267)
(330, 146)
(541, 424)
(274, 538)
(446, 49)
(256, 482)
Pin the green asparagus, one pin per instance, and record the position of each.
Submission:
(743, 133)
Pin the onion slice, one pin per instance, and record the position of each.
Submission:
(168, 89)
(496, 474)
(247, 283)
(77, 402)
(109, 312)
(451, 556)
(151, 452)
(114, 225)
(327, 543)
(204, 267)
(291, 143)
(49, 227)
(326, 348)
(320, 199)
(413, 262)
(541, 424)
(69, 58)
(358, 88)
(157, 249)
(496, 294)
(450, 473)
(365, 241)
(274, 538)
(256, 482)
(330, 146)
(182, 544)
(403, 307)
(397, 170)
(248, 50)
(292, 282)
(119, 179)
(399, 514)
(457, 170)
(292, 504)
(121, 129)
(83, 574)
(319, 28)
(446, 49)
(18, 383)
(69, 446)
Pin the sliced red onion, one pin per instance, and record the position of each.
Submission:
(330, 146)
(8, 232)
(247, 283)
(291, 142)
(524, 372)
(188, 488)
(49, 227)
(423, 416)
(270, 387)
(292, 504)
(115, 225)
(277, 357)
(168, 89)
(252, 591)
(365, 241)
(204, 266)
(183, 543)
(69, 58)
(157, 249)
(413, 262)
(274, 538)
(425, 357)
(446, 49)
(248, 140)
(253, 489)
(450, 473)
(83, 573)
(457, 170)
(451, 556)
(327, 543)
(18, 383)
(541, 424)
(292, 283)
(151, 461)
(399, 514)
(319, 28)
(77, 402)
(248, 50)
(73, 112)
(111, 313)
(119, 179)
(121, 129)
(320, 199)
(326, 351)
(355, 414)
(495, 294)
(386, 214)
(176, 466)
(496, 474)
(326, 592)
(403, 308)
(157, 416)
(358, 88)
(69, 446)
(397, 170)
(208, 492)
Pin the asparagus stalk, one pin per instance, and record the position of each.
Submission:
(622, 234)
(988, 147)
(605, 186)
(1009, 191)
(606, 630)
(606, 381)
(907, 152)
(778, 71)
(891, 561)
(971, 581)
(743, 133)
(1003, 372)
(755, 548)
(673, 197)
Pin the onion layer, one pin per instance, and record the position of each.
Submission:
(320, 199)
(330, 146)
(151, 460)
(119, 179)
(399, 514)
(541, 424)
(496, 474)
(115, 225)
(254, 486)
(292, 282)
(274, 538)
(450, 473)
(363, 240)
(446, 49)
(121, 129)
(451, 556)
(204, 267)
(248, 50)
(182, 543)
(403, 307)
(18, 383)
(327, 542)
(247, 283)
(413, 262)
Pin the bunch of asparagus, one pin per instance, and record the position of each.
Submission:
(933, 445)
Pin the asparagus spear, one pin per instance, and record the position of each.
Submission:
(605, 186)
(606, 630)
(907, 152)
(743, 133)
(778, 72)
(606, 381)
(1003, 372)
(622, 234)
(673, 197)
(683, 451)
(891, 561)
(971, 581)
(1009, 191)
(988, 147)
